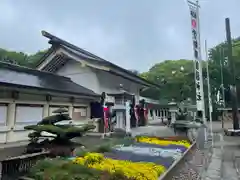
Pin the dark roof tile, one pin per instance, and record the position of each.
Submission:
(13, 75)
(55, 41)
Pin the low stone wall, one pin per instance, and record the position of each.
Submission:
(13, 167)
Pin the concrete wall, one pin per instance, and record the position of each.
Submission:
(12, 130)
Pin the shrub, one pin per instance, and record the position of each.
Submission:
(103, 148)
(81, 153)
(59, 169)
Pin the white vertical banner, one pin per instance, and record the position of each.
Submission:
(197, 56)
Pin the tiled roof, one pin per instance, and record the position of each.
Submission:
(18, 76)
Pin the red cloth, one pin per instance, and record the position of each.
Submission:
(136, 114)
(105, 113)
(146, 114)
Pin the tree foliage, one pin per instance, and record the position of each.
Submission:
(21, 58)
(177, 76)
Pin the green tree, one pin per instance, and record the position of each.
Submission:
(180, 84)
(21, 58)
(175, 76)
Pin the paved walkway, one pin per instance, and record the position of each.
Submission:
(223, 164)
(153, 130)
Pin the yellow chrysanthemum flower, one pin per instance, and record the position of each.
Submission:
(136, 170)
(152, 140)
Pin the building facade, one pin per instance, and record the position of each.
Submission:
(67, 76)
(93, 72)
(27, 96)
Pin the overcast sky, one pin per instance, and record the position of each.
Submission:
(134, 34)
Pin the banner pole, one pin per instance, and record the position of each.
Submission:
(195, 25)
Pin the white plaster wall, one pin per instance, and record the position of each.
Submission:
(84, 76)
(18, 135)
(3, 136)
(97, 80)
(14, 132)
(110, 83)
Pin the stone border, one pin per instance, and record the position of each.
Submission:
(24, 156)
(177, 163)
(13, 167)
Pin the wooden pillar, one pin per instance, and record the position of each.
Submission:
(46, 110)
(161, 113)
(70, 110)
(149, 114)
(10, 120)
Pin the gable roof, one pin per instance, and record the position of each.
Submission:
(92, 58)
(22, 77)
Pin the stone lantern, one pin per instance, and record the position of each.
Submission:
(173, 109)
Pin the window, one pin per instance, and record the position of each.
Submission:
(3, 114)
(79, 113)
(28, 114)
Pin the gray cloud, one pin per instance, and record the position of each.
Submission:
(135, 34)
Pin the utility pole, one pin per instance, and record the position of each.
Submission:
(222, 58)
(233, 88)
(222, 80)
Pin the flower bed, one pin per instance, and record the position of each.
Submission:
(135, 159)
(135, 170)
(147, 158)
(163, 142)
